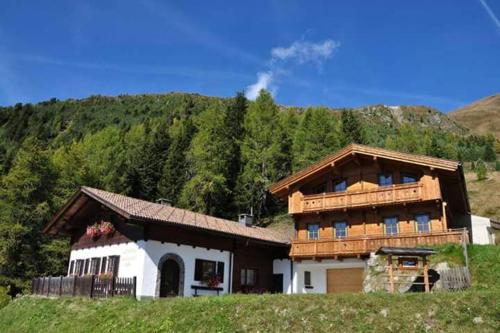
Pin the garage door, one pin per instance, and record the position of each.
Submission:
(343, 280)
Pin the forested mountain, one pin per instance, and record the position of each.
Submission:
(212, 155)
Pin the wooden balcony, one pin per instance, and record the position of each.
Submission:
(353, 246)
(400, 193)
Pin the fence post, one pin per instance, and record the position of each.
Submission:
(113, 285)
(48, 287)
(92, 286)
(74, 286)
(134, 291)
(60, 285)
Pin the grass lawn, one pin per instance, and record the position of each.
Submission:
(471, 311)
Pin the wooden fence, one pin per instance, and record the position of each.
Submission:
(457, 278)
(86, 286)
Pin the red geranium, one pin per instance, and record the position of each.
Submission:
(106, 228)
(93, 230)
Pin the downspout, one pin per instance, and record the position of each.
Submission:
(230, 291)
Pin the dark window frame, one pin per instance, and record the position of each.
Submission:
(335, 229)
(429, 222)
(113, 265)
(104, 262)
(244, 277)
(95, 265)
(71, 267)
(397, 225)
(307, 279)
(200, 274)
(309, 232)
(87, 266)
(79, 266)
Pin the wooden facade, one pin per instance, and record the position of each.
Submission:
(360, 188)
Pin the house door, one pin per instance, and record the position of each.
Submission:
(341, 280)
(169, 284)
(278, 283)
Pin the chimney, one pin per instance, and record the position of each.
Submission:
(246, 219)
(163, 201)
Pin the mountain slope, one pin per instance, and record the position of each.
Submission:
(482, 116)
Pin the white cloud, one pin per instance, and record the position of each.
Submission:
(264, 80)
(299, 52)
(304, 51)
(491, 14)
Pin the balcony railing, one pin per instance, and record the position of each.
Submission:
(365, 198)
(328, 248)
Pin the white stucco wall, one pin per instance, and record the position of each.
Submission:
(131, 256)
(154, 250)
(318, 273)
(481, 230)
(282, 266)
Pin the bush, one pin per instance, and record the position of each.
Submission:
(497, 166)
(4, 298)
(481, 171)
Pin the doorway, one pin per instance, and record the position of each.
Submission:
(170, 277)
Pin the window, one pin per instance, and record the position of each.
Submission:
(307, 278)
(407, 178)
(408, 262)
(71, 267)
(113, 265)
(340, 229)
(103, 265)
(79, 267)
(95, 265)
(87, 266)
(313, 231)
(385, 179)
(391, 225)
(248, 277)
(340, 185)
(204, 269)
(220, 271)
(423, 222)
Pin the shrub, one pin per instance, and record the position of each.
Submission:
(497, 165)
(4, 298)
(481, 171)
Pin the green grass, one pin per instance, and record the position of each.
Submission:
(375, 312)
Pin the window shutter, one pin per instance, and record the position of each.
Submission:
(220, 270)
(103, 265)
(71, 267)
(198, 270)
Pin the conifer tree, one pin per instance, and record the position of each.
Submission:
(208, 159)
(175, 168)
(351, 128)
(316, 137)
(25, 207)
(262, 154)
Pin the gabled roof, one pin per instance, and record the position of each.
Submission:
(150, 212)
(354, 149)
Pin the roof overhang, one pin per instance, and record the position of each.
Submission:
(282, 187)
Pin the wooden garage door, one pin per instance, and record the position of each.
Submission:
(343, 280)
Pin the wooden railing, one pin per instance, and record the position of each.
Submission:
(323, 248)
(86, 286)
(373, 197)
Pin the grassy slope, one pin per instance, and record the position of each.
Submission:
(378, 312)
(484, 195)
(482, 116)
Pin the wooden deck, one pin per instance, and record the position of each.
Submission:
(353, 246)
(394, 194)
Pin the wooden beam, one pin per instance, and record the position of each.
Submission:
(391, 277)
(426, 275)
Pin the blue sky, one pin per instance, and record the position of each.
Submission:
(334, 53)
